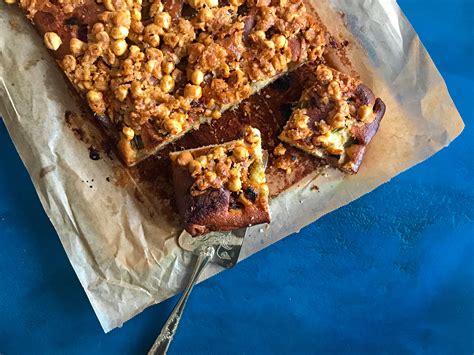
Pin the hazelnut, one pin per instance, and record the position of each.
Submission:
(202, 160)
(137, 89)
(185, 158)
(167, 83)
(119, 32)
(154, 53)
(94, 96)
(279, 62)
(136, 15)
(334, 90)
(105, 16)
(151, 65)
(108, 5)
(197, 77)
(134, 51)
(216, 114)
(101, 84)
(98, 27)
(167, 67)
(269, 44)
(219, 153)
(193, 92)
(156, 8)
(240, 153)
(121, 92)
(171, 126)
(194, 167)
(69, 63)
(338, 121)
(119, 47)
(257, 174)
(344, 108)
(128, 133)
(163, 20)
(152, 35)
(179, 117)
(280, 41)
(102, 37)
(252, 135)
(210, 176)
(212, 3)
(76, 46)
(235, 172)
(96, 101)
(260, 35)
(204, 15)
(366, 114)
(52, 40)
(234, 185)
(162, 111)
(301, 120)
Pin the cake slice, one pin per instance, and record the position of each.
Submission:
(222, 187)
(335, 119)
(152, 71)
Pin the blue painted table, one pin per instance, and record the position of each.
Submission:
(391, 273)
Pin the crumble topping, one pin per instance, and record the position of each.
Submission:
(162, 69)
(337, 113)
(236, 166)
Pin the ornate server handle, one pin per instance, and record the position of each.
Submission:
(162, 343)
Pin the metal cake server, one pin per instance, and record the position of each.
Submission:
(220, 248)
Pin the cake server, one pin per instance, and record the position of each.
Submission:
(220, 248)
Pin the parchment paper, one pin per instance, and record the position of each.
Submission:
(127, 258)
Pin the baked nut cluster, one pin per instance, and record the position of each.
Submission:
(235, 166)
(329, 115)
(155, 71)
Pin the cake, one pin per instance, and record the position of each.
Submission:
(222, 187)
(335, 119)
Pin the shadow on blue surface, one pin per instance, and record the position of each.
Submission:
(391, 273)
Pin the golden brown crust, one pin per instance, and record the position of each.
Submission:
(335, 119)
(161, 70)
(222, 187)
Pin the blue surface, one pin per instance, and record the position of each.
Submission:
(391, 273)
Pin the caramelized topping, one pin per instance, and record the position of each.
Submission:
(327, 115)
(141, 65)
(236, 166)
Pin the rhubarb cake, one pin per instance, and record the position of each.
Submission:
(222, 187)
(152, 71)
(335, 119)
